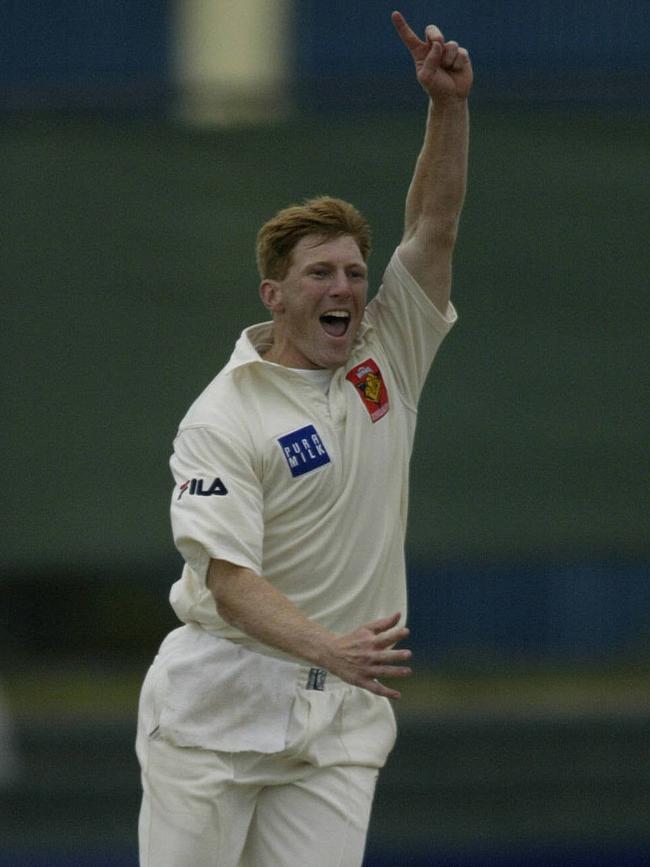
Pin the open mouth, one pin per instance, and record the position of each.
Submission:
(335, 322)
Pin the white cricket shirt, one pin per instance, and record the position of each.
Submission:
(305, 488)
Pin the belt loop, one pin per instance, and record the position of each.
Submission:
(316, 679)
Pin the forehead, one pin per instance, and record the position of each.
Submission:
(317, 248)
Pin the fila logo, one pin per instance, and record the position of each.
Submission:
(195, 486)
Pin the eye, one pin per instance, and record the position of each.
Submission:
(318, 272)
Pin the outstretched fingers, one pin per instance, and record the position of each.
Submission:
(384, 623)
(391, 637)
(388, 662)
(378, 688)
(390, 671)
(372, 683)
(368, 653)
(387, 632)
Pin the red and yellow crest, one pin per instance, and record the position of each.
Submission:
(369, 383)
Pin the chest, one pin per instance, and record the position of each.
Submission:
(319, 450)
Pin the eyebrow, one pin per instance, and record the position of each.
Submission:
(328, 264)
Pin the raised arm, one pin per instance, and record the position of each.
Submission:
(437, 191)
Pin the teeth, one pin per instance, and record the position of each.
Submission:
(338, 314)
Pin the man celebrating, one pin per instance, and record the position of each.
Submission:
(265, 718)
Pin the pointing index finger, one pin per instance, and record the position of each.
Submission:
(408, 37)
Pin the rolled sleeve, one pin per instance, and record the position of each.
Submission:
(409, 327)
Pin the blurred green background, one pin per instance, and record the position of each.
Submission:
(127, 273)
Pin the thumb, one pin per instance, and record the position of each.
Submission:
(434, 34)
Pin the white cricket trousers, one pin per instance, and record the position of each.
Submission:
(207, 808)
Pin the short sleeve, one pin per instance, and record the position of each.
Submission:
(409, 327)
(217, 504)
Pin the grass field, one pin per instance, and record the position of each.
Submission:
(103, 693)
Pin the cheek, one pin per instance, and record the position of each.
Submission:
(302, 320)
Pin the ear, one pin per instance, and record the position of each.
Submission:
(271, 295)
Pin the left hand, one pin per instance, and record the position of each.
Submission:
(443, 68)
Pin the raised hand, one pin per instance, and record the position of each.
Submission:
(443, 68)
(368, 653)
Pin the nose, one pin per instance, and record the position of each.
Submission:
(340, 284)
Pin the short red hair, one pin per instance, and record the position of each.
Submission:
(324, 216)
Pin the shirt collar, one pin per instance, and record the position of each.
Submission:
(258, 337)
(251, 341)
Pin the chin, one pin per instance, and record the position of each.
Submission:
(333, 360)
(330, 354)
